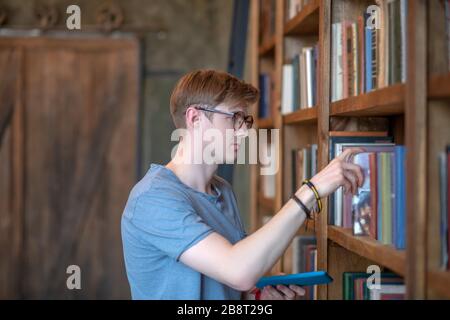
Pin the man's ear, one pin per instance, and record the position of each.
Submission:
(192, 117)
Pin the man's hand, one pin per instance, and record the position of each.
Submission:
(281, 292)
(340, 172)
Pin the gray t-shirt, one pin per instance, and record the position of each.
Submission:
(164, 217)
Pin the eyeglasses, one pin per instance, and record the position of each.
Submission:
(239, 117)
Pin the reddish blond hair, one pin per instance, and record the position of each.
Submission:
(209, 87)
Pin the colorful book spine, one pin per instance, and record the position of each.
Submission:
(400, 197)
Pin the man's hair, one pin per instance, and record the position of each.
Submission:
(209, 87)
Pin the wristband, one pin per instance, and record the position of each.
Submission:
(316, 193)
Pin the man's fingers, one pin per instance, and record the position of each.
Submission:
(356, 170)
(273, 292)
(287, 292)
(299, 290)
(352, 179)
(349, 152)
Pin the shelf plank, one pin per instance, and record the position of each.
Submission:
(381, 102)
(439, 86)
(371, 249)
(305, 22)
(266, 203)
(265, 123)
(268, 47)
(301, 116)
(439, 282)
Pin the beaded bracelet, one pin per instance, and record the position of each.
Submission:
(316, 193)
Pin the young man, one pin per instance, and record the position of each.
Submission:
(181, 231)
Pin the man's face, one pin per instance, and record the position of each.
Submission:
(230, 138)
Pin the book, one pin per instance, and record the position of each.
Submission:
(448, 206)
(300, 279)
(347, 137)
(368, 59)
(361, 210)
(355, 286)
(338, 194)
(399, 222)
(287, 99)
(299, 252)
(389, 292)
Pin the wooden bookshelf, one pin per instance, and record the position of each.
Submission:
(439, 281)
(439, 86)
(385, 255)
(266, 203)
(301, 116)
(418, 113)
(305, 22)
(268, 47)
(382, 102)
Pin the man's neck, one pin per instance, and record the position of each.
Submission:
(196, 176)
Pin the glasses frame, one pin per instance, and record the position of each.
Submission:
(247, 118)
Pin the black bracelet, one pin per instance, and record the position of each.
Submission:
(302, 205)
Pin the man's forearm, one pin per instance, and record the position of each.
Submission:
(256, 254)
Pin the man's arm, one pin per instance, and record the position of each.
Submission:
(241, 265)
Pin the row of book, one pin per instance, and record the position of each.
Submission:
(266, 87)
(304, 259)
(267, 20)
(304, 165)
(365, 57)
(299, 83)
(377, 209)
(356, 287)
(293, 7)
(444, 191)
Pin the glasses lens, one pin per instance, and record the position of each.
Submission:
(239, 118)
(249, 121)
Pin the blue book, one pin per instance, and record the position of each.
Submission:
(400, 201)
(379, 198)
(300, 279)
(368, 59)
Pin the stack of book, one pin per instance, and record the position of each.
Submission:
(299, 87)
(366, 58)
(266, 95)
(377, 209)
(293, 7)
(304, 165)
(356, 287)
(267, 20)
(444, 181)
(304, 259)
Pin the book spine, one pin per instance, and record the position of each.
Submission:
(375, 58)
(340, 62)
(403, 15)
(379, 197)
(309, 76)
(355, 59)
(368, 59)
(361, 54)
(373, 195)
(333, 62)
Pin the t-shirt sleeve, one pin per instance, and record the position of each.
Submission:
(168, 222)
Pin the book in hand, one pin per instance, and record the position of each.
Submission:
(300, 279)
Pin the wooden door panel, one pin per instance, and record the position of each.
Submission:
(80, 113)
(10, 217)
